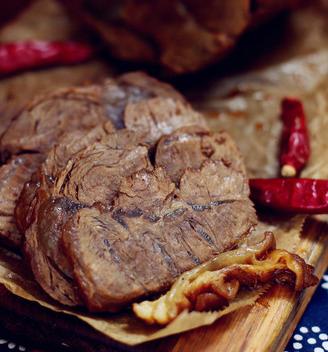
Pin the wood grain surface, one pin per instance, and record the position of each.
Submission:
(268, 325)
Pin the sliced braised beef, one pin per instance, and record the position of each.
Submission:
(71, 144)
(48, 117)
(43, 249)
(114, 215)
(158, 117)
(47, 121)
(133, 221)
(155, 232)
(13, 175)
(41, 124)
(94, 175)
(189, 147)
(132, 88)
(85, 167)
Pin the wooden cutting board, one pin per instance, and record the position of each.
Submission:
(267, 326)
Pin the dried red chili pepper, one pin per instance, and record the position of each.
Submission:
(293, 195)
(295, 145)
(19, 56)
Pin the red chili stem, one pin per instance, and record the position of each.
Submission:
(292, 195)
(295, 145)
(18, 56)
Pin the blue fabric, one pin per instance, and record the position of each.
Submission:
(311, 334)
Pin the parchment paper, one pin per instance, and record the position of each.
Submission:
(246, 105)
(123, 327)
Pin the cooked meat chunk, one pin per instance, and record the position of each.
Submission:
(38, 128)
(157, 117)
(176, 152)
(59, 155)
(43, 249)
(153, 234)
(225, 16)
(13, 175)
(94, 174)
(47, 118)
(182, 42)
(67, 121)
(180, 35)
(85, 167)
(128, 215)
(91, 176)
(130, 190)
(133, 88)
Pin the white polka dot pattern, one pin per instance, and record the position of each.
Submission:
(318, 349)
(304, 330)
(324, 285)
(311, 341)
(325, 345)
(297, 345)
(12, 346)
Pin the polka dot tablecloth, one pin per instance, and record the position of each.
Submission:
(311, 334)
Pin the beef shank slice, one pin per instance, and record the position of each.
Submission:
(95, 174)
(157, 117)
(133, 191)
(45, 254)
(177, 151)
(13, 175)
(35, 130)
(47, 118)
(87, 114)
(91, 176)
(71, 144)
(157, 229)
(132, 88)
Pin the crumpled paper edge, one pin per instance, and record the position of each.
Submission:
(287, 231)
(124, 327)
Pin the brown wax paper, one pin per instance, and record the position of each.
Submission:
(286, 230)
(123, 327)
(247, 105)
